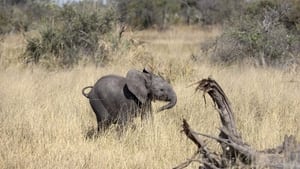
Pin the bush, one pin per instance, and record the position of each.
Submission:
(142, 14)
(208, 12)
(264, 32)
(21, 15)
(13, 19)
(76, 32)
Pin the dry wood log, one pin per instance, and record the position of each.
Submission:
(228, 130)
(236, 153)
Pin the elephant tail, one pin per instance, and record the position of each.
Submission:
(86, 94)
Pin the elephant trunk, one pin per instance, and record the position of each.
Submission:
(172, 102)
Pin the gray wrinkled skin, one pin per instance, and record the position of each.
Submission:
(116, 99)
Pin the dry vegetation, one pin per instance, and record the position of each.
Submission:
(44, 118)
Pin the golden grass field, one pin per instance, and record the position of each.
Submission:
(44, 118)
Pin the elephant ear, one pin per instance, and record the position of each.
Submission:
(137, 83)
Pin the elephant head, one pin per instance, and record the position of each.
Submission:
(146, 85)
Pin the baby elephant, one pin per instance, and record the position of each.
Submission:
(116, 99)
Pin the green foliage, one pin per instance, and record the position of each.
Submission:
(5, 23)
(12, 19)
(22, 15)
(143, 14)
(264, 33)
(74, 33)
(208, 12)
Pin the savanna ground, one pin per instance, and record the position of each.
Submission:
(44, 118)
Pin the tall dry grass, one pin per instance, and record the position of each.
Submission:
(44, 118)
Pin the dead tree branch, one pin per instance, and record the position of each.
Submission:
(236, 152)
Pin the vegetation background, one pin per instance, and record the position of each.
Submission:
(49, 53)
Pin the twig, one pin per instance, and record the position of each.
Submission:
(188, 162)
(236, 152)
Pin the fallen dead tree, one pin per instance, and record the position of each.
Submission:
(235, 152)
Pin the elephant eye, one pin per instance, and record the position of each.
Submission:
(161, 90)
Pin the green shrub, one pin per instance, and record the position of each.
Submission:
(5, 22)
(75, 33)
(143, 14)
(208, 12)
(12, 19)
(262, 33)
(16, 16)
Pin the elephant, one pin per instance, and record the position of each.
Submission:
(117, 100)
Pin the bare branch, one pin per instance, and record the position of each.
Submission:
(236, 152)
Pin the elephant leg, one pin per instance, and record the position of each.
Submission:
(126, 119)
(147, 119)
(103, 117)
(147, 113)
(147, 116)
(123, 119)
